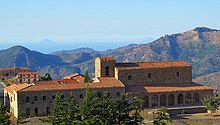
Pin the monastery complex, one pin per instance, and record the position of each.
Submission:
(159, 84)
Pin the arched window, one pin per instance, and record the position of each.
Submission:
(149, 75)
(154, 100)
(106, 71)
(188, 98)
(145, 101)
(36, 111)
(196, 97)
(163, 100)
(180, 99)
(171, 100)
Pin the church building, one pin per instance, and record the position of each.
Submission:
(165, 83)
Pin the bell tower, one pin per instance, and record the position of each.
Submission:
(105, 66)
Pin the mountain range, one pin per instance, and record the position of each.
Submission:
(199, 46)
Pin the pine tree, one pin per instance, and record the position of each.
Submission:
(137, 107)
(46, 77)
(107, 109)
(58, 115)
(4, 116)
(73, 113)
(90, 109)
(86, 77)
(122, 110)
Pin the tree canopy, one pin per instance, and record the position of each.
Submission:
(96, 110)
(4, 115)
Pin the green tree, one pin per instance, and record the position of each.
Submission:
(73, 112)
(46, 77)
(212, 103)
(137, 107)
(90, 109)
(163, 118)
(86, 77)
(58, 115)
(107, 106)
(20, 117)
(122, 109)
(4, 116)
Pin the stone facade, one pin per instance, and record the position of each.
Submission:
(40, 103)
(155, 76)
(28, 77)
(148, 80)
(104, 67)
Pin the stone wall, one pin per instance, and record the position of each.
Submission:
(154, 76)
(41, 104)
(202, 94)
(100, 67)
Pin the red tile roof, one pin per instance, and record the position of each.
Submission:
(168, 88)
(28, 73)
(15, 87)
(19, 68)
(108, 82)
(72, 84)
(147, 65)
(106, 58)
(76, 76)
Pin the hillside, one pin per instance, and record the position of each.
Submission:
(200, 47)
(19, 56)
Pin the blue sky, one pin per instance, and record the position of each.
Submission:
(102, 20)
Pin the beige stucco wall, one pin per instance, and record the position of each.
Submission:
(11, 102)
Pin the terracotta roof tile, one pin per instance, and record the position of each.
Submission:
(19, 68)
(15, 87)
(72, 84)
(76, 76)
(106, 58)
(107, 82)
(28, 73)
(146, 65)
(169, 88)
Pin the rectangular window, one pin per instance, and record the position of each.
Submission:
(99, 94)
(129, 77)
(53, 97)
(27, 111)
(118, 94)
(44, 97)
(27, 99)
(80, 96)
(35, 98)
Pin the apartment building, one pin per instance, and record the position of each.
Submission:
(28, 77)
